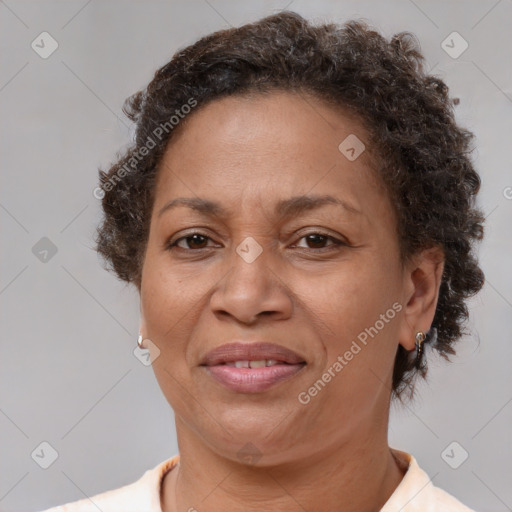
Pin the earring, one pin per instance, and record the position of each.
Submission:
(139, 341)
(420, 338)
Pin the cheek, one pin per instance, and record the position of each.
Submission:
(165, 289)
(172, 300)
(168, 312)
(354, 296)
(164, 301)
(357, 306)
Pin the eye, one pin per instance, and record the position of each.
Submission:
(197, 241)
(193, 241)
(318, 241)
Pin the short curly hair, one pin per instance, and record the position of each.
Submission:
(408, 114)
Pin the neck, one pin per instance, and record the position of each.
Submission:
(356, 476)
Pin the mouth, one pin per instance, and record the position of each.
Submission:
(252, 367)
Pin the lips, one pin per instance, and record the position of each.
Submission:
(252, 367)
(232, 352)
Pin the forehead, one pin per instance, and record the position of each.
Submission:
(275, 118)
(265, 145)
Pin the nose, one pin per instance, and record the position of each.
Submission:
(251, 291)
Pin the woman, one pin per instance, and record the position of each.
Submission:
(297, 214)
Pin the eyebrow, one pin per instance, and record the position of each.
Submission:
(284, 208)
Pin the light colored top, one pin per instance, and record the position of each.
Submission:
(415, 493)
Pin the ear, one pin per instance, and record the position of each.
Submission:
(421, 283)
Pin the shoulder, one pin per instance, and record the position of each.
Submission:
(142, 495)
(417, 493)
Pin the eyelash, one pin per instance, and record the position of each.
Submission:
(335, 242)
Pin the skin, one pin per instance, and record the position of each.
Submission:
(309, 295)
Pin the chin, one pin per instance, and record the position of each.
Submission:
(243, 434)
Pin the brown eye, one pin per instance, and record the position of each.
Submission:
(316, 241)
(194, 241)
(319, 241)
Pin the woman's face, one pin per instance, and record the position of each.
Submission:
(318, 277)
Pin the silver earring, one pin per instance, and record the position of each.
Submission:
(420, 338)
(139, 341)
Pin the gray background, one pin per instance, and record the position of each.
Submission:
(69, 376)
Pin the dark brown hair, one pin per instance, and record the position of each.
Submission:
(408, 115)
